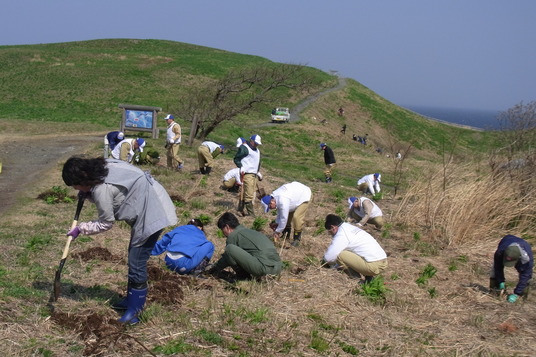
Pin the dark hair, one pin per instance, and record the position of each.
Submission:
(228, 219)
(332, 220)
(196, 222)
(84, 172)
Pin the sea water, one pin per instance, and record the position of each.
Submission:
(477, 118)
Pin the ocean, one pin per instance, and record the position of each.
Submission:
(482, 119)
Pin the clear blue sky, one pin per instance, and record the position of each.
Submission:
(476, 54)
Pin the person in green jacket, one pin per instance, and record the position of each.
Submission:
(248, 252)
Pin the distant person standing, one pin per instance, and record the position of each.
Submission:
(343, 130)
(206, 153)
(248, 159)
(341, 111)
(329, 160)
(127, 148)
(111, 140)
(173, 142)
(363, 210)
(369, 184)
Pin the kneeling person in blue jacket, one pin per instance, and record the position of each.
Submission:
(514, 252)
(188, 249)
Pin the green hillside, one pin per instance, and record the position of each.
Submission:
(85, 81)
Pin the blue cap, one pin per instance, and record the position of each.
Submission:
(266, 202)
(169, 116)
(322, 145)
(222, 147)
(141, 144)
(351, 201)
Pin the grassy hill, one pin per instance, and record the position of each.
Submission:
(85, 82)
(443, 223)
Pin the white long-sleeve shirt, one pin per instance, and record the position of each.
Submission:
(288, 197)
(356, 240)
(233, 173)
(373, 185)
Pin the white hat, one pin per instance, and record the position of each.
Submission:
(240, 141)
(257, 139)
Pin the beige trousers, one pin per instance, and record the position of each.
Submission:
(204, 156)
(173, 159)
(298, 217)
(351, 261)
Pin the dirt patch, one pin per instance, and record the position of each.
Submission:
(98, 253)
(100, 334)
(25, 163)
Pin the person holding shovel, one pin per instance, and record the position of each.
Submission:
(123, 192)
(514, 252)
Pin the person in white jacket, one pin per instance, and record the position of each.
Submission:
(127, 148)
(369, 183)
(291, 201)
(355, 250)
(363, 210)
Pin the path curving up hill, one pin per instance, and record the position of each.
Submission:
(296, 111)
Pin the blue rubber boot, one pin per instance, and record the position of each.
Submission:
(121, 305)
(135, 302)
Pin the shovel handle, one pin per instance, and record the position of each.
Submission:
(73, 225)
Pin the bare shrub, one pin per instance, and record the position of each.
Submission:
(458, 205)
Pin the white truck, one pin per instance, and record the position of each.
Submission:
(280, 115)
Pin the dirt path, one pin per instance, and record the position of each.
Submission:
(24, 160)
(296, 111)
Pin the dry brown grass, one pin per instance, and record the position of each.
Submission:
(305, 301)
(461, 206)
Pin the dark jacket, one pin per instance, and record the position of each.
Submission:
(329, 157)
(523, 266)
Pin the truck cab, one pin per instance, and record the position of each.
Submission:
(280, 115)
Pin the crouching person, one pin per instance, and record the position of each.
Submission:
(248, 252)
(514, 252)
(188, 251)
(355, 250)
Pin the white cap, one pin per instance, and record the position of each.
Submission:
(257, 139)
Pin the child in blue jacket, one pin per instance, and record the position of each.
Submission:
(188, 251)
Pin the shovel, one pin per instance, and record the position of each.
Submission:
(57, 285)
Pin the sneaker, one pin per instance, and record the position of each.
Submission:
(180, 166)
